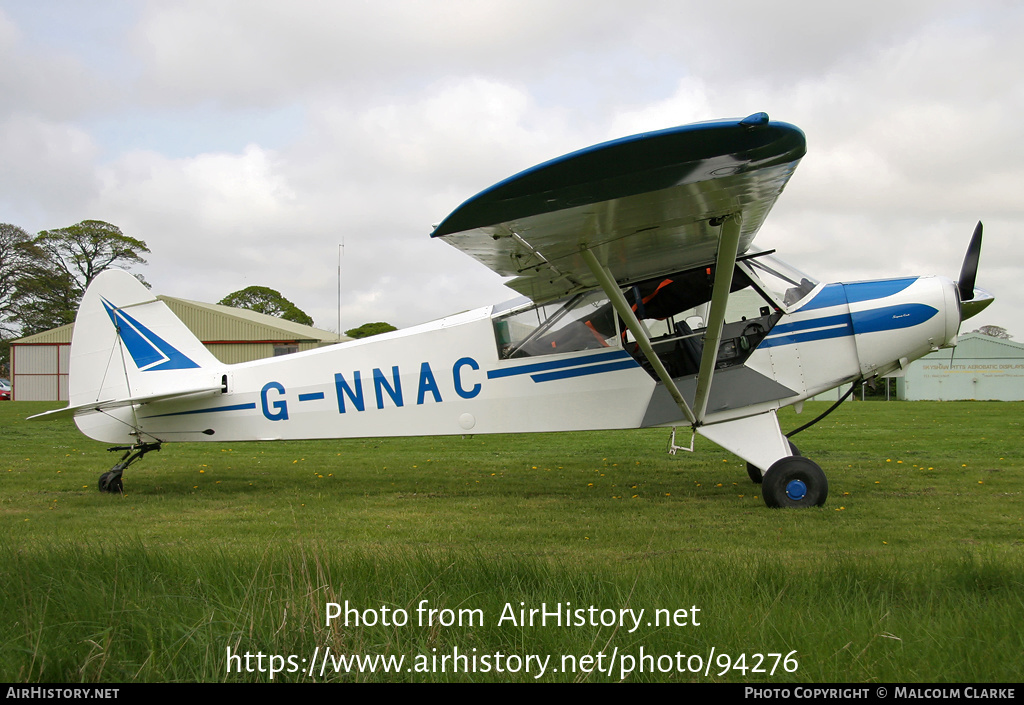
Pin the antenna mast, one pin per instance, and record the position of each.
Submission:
(341, 251)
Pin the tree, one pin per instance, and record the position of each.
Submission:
(262, 299)
(45, 299)
(14, 259)
(994, 332)
(62, 263)
(368, 329)
(84, 250)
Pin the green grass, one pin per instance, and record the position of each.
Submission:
(913, 571)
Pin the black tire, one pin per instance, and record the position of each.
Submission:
(110, 483)
(795, 482)
(754, 472)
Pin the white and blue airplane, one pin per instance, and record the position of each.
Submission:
(644, 303)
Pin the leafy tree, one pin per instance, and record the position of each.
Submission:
(84, 250)
(46, 299)
(368, 329)
(262, 299)
(993, 331)
(14, 259)
(61, 264)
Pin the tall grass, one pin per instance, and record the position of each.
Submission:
(133, 613)
(912, 572)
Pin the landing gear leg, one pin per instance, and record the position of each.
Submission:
(754, 472)
(110, 481)
(791, 480)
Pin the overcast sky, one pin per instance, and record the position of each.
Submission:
(245, 140)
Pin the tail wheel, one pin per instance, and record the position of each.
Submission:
(754, 472)
(795, 482)
(111, 482)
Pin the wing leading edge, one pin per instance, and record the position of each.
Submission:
(644, 205)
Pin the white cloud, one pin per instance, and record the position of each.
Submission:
(387, 115)
(46, 82)
(256, 51)
(47, 174)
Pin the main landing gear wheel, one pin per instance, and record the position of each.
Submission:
(754, 472)
(795, 482)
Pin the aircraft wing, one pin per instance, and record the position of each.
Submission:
(645, 205)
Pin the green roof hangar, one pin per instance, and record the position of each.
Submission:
(39, 363)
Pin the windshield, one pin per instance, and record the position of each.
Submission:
(788, 284)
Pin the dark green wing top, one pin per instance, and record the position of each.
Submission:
(646, 205)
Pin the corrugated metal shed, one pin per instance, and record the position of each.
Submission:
(39, 363)
(979, 367)
(53, 336)
(39, 368)
(238, 335)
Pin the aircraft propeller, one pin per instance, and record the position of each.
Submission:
(972, 300)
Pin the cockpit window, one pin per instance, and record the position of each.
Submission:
(672, 309)
(588, 321)
(581, 322)
(788, 284)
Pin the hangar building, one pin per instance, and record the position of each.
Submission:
(39, 363)
(979, 367)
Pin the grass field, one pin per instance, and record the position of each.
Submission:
(913, 571)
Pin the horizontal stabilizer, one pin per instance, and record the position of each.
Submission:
(96, 406)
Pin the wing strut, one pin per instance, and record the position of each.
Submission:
(728, 244)
(625, 311)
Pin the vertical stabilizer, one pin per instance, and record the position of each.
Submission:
(129, 344)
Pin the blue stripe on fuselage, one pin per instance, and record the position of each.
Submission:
(830, 295)
(837, 294)
(208, 410)
(873, 320)
(892, 317)
(561, 364)
(584, 371)
(824, 321)
(869, 291)
(818, 332)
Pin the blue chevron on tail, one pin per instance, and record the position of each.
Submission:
(148, 350)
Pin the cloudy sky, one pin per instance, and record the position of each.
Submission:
(245, 140)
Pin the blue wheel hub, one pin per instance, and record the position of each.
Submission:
(796, 490)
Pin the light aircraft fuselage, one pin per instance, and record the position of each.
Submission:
(645, 305)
